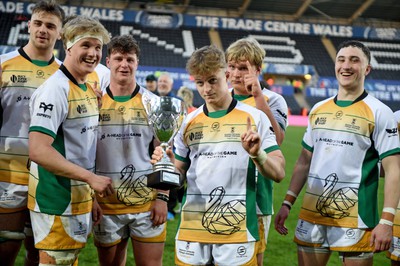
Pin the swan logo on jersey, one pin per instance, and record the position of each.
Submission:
(18, 79)
(46, 107)
(81, 109)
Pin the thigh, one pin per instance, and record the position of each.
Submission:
(235, 254)
(148, 253)
(53, 232)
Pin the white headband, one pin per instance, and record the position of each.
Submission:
(80, 37)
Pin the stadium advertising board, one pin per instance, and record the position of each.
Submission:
(175, 20)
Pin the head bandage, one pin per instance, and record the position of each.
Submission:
(80, 37)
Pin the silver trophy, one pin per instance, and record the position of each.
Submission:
(165, 116)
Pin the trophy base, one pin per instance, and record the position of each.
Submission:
(164, 180)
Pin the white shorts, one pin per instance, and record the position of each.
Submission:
(13, 197)
(194, 253)
(394, 251)
(53, 232)
(331, 237)
(113, 228)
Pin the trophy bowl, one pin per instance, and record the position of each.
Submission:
(165, 115)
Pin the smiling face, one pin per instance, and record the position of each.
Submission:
(82, 58)
(44, 30)
(123, 67)
(351, 67)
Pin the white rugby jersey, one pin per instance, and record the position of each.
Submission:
(123, 152)
(219, 204)
(20, 78)
(101, 75)
(63, 110)
(279, 109)
(347, 143)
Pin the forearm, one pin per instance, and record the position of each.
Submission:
(391, 191)
(262, 105)
(271, 165)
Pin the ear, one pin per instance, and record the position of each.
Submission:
(108, 62)
(227, 75)
(368, 70)
(29, 26)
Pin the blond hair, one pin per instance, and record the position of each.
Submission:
(246, 49)
(205, 61)
(187, 95)
(83, 25)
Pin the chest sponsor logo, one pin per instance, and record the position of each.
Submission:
(353, 125)
(215, 127)
(232, 134)
(23, 98)
(339, 115)
(19, 79)
(88, 128)
(81, 109)
(320, 121)
(105, 117)
(196, 135)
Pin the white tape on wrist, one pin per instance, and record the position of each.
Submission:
(389, 210)
(261, 157)
(387, 222)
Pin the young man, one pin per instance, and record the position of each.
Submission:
(218, 148)
(245, 57)
(394, 251)
(346, 137)
(23, 71)
(124, 140)
(62, 147)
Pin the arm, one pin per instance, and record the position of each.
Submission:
(382, 234)
(299, 178)
(271, 165)
(253, 86)
(40, 150)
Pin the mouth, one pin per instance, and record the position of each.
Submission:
(346, 74)
(89, 61)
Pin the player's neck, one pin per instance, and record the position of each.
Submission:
(38, 54)
(123, 89)
(349, 94)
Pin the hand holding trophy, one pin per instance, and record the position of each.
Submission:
(165, 116)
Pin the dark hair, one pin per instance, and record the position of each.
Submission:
(123, 44)
(357, 44)
(50, 7)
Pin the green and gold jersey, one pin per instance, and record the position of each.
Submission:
(279, 109)
(68, 112)
(20, 78)
(123, 145)
(347, 141)
(219, 205)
